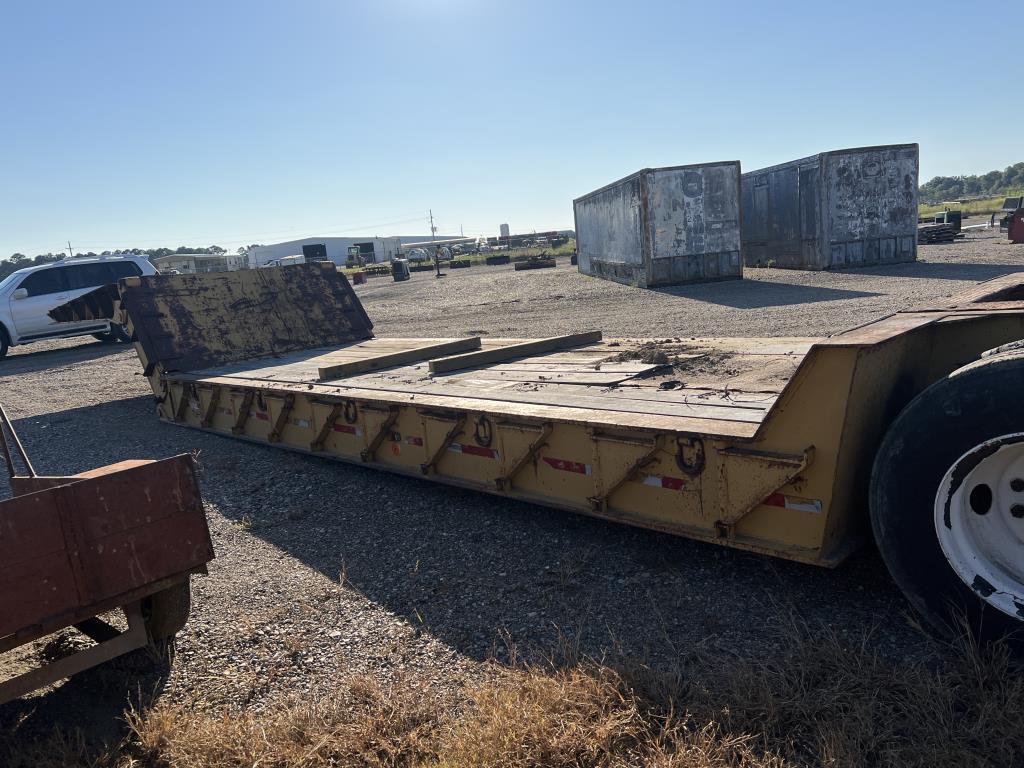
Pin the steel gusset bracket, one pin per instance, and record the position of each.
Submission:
(455, 431)
(505, 481)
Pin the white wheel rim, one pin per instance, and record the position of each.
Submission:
(981, 531)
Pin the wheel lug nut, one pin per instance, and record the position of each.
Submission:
(1017, 510)
(1017, 484)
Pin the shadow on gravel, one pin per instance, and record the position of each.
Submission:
(475, 570)
(932, 270)
(751, 294)
(93, 701)
(26, 360)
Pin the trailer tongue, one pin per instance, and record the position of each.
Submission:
(759, 444)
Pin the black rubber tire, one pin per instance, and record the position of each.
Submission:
(116, 335)
(166, 612)
(5, 342)
(974, 404)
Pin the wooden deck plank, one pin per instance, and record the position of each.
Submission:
(333, 368)
(558, 395)
(582, 378)
(526, 348)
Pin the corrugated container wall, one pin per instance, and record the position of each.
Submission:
(847, 208)
(663, 226)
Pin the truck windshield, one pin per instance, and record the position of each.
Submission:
(10, 279)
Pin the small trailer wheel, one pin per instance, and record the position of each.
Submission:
(166, 612)
(947, 501)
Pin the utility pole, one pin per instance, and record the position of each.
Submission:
(71, 253)
(437, 258)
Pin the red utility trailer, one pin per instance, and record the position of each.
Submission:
(126, 537)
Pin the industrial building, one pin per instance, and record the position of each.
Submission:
(663, 226)
(372, 249)
(197, 263)
(845, 208)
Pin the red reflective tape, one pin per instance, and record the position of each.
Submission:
(794, 503)
(567, 466)
(349, 429)
(474, 450)
(261, 415)
(672, 483)
(413, 440)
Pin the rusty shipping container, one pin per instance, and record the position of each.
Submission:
(663, 226)
(846, 208)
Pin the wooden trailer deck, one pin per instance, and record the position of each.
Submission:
(711, 386)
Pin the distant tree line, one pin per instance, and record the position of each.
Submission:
(991, 184)
(19, 260)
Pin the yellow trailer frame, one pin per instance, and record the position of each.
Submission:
(770, 453)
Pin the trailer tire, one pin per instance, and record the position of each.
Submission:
(166, 612)
(937, 537)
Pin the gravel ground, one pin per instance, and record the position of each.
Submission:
(326, 570)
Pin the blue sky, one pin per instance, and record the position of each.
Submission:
(170, 123)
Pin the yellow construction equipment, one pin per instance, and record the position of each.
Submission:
(772, 445)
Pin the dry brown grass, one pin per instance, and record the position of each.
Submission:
(820, 702)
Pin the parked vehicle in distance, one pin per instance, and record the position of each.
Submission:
(483, 248)
(285, 261)
(27, 296)
(417, 255)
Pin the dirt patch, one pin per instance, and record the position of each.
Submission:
(652, 353)
(708, 363)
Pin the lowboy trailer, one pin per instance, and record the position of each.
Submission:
(910, 427)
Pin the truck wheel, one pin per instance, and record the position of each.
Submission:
(5, 343)
(166, 612)
(947, 501)
(116, 335)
